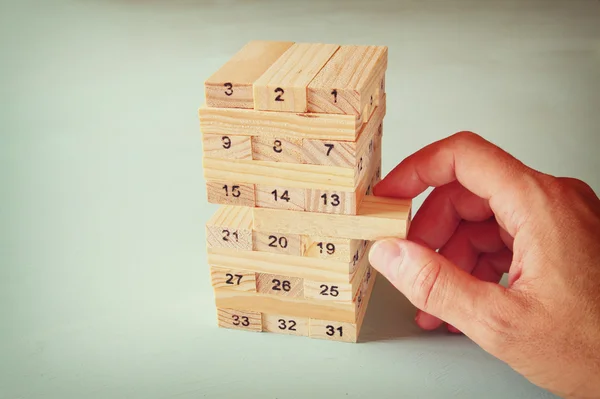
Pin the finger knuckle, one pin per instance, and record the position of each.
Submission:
(466, 136)
(564, 184)
(426, 284)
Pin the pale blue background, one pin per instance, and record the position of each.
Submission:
(104, 289)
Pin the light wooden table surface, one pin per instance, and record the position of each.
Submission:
(104, 287)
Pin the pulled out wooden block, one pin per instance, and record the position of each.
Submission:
(377, 218)
(239, 319)
(278, 197)
(236, 279)
(231, 85)
(228, 193)
(286, 244)
(227, 147)
(289, 325)
(349, 81)
(284, 85)
(230, 228)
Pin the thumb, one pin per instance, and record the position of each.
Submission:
(438, 287)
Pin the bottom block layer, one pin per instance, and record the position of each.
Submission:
(257, 321)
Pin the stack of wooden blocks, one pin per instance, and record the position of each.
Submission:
(291, 150)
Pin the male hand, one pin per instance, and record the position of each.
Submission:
(489, 215)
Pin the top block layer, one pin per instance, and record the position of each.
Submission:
(231, 85)
(283, 86)
(299, 78)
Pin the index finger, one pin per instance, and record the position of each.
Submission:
(480, 166)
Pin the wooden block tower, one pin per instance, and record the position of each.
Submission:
(292, 137)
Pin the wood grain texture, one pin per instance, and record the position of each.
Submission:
(270, 263)
(328, 152)
(231, 85)
(277, 149)
(283, 86)
(226, 147)
(346, 82)
(335, 202)
(278, 197)
(283, 324)
(377, 218)
(246, 122)
(295, 307)
(278, 284)
(330, 248)
(235, 279)
(360, 260)
(347, 331)
(285, 244)
(325, 291)
(365, 298)
(230, 193)
(239, 319)
(230, 227)
(333, 330)
(367, 142)
(279, 174)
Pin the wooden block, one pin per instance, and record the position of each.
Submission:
(346, 153)
(328, 291)
(367, 142)
(293, 307)
(239, 319)
(231, 85)
(236, 279)
(333, 330)
(331, 248)
(283, 86)
(276, 284)
(348, 331)
(279, 174)
(229, 193)
(227, 147)
(271, 263)
(246, 122)
(360, 260)
(231, 228)
(346, 83)
(290, 325)
(277, 149)
(365, 298)
(336, 202)
(377, 218)
(280, 197)
(285, 244)
(329, 152)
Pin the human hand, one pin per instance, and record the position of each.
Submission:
(489, 215)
